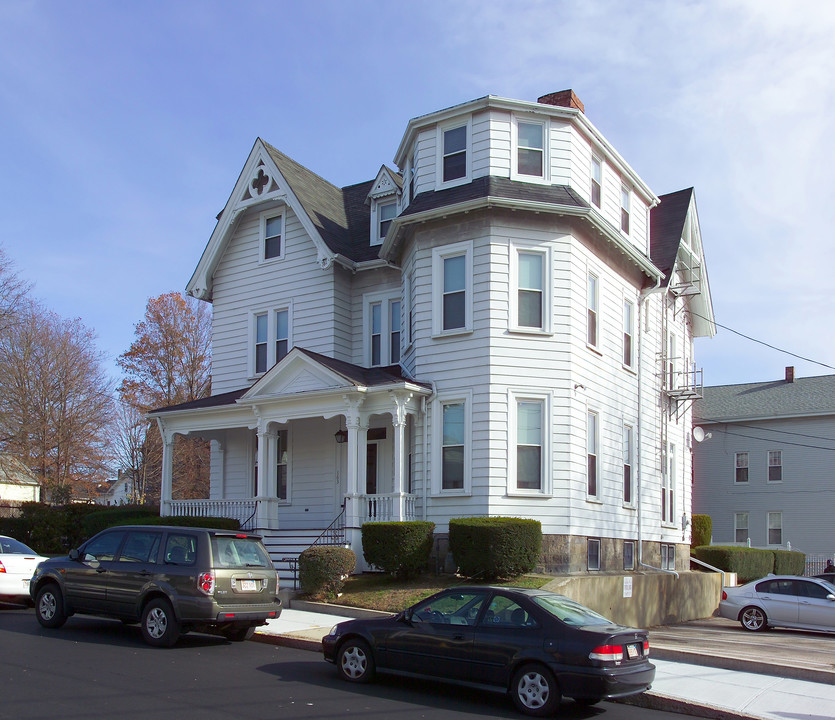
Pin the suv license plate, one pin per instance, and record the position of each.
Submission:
(249, 585)
(632, 651)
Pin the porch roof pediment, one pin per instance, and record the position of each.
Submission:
(297, 373)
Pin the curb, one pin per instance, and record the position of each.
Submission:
(299, 643)
(656, 701)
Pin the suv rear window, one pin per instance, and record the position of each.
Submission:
(231, 551)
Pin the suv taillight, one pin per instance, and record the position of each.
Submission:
(206, 582)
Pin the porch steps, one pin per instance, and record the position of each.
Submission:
(284, 547)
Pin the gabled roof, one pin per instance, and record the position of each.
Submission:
(812, 396)
(14, 472)
(666, 228)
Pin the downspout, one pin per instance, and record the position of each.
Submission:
(638, 473)
(425, 407)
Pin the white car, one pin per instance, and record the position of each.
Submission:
(17, 565)
(781, 601)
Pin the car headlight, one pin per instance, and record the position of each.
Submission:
(334, 630)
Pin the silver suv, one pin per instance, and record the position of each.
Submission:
(169, 579)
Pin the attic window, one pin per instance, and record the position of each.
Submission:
(385, 215)
(272, 233)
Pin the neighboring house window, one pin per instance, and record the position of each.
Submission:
(775, 466)
(272, 230)
(282, 334)
(741, 467)
(596, 180)
(668, 556)
(454, 153)
(775, 528)
(594, 554)
(530, 151)
(385, 214)
(741, 527)
(281, 464)
(529, 444)
(382, 320)
(451, 281)
(628, 554)
(668, 480)
(627, 464)
(624, 209)
(592, 305)
(628, 325)
(453, 446)
(261, 321)
(592, 439)
(530, 292)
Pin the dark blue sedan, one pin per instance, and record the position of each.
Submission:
(536, 645)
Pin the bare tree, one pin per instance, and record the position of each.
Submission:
(168, 363)
(55, 401)
(13, 291)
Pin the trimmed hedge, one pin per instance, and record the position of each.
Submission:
(102, 519)
(702, 530)
(323, 570)
(399, 548)
(214, 523)
(751, 563)
(496, 547)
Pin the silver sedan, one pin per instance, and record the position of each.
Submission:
(781, 601)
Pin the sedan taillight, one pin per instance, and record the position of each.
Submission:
(206, 583)
(646, 648)
(2, 569)
(607, 653)
(724, 595)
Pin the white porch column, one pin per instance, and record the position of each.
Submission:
(167, 482)
(398, 421)
(265, 516)
(355, 497)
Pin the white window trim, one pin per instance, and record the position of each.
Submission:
(439, 254)
(595, 157)
(543, 179)
(768, 467)
(590, 272)
(375, 209)
(546, 475)
(385, 299)
(668, 479)
(517, 248)
(262, 235)
(747, 466)
(631, 331)
(271, 336)
(628, 191)
(274, 453)
(407, 309)
(632, 504)
(747, 525)
(451, 398)
(439, 144)
(596, 498)
(768, 515)
(589, 542)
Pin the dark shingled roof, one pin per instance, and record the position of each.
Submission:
(804, 396)
(354, 374)
(492, 186)
(666, 226)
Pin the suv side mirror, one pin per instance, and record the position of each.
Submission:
(74, 554)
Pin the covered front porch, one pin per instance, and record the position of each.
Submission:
(314, 449)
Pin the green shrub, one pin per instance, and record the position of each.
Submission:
(102, 519)
(215, 523)
(50, 530)
(399, 548)
(748, 563)
(789, 562)
(323, 570)
(702, 530)
(498, 547)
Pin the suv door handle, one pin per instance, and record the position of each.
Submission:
(101, 569)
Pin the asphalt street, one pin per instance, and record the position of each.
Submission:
(101, 668)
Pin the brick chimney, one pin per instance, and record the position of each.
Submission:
(790, 374)
(563, 98)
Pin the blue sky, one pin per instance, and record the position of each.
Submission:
(124, 125)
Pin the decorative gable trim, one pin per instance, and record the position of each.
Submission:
(386, 183)
(296, 373)
(260, 182)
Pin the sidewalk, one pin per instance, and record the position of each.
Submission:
(696, 689)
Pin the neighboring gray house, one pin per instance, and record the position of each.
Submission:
(765, 468)
(17, 483)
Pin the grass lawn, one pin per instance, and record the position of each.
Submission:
(378, 591)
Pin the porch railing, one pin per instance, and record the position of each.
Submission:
(383, 508)
(333, 534)
(242, 510)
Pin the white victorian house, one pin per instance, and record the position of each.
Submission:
(502, 326)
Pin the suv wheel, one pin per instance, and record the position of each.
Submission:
(159, 626)
(49, 606)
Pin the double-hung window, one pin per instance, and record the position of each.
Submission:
(592, 444)
(625, 208)
(628, 463)
(592, 303)
(628, 330)
(386, 212)
(382, 320)
(741, 527)
(454, 158)
(530, 444)
(741, 467)
(596, 181)
(452, 288)
(271, 339)
(530, 149)
(668, 480)
(530, 293)
(272, 236)
(453, 445)
(775, 528)
(775, 466)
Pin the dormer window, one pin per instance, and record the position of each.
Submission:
(531, 149)
(384, 198)
(386, 212)
(455, 153)
(272, 236)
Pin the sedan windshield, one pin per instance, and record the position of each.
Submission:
(570, 612)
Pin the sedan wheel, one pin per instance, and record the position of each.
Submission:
(752, 618)
(535, 691)
(159, 626)
(355, 661)
(49, 607)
